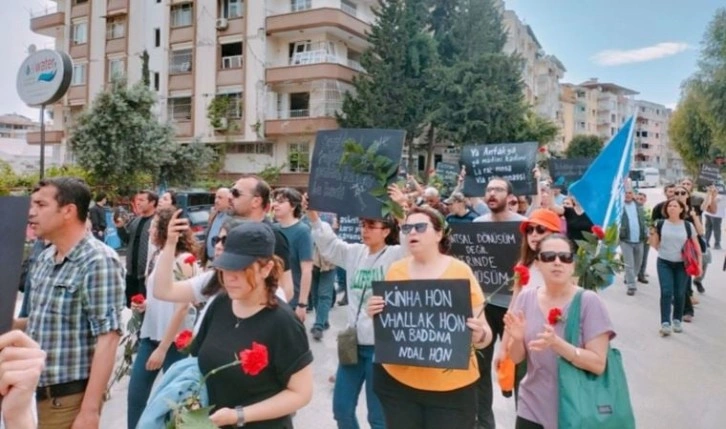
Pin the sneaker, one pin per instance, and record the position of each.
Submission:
(717, 247)
(343, 302)
(688, 318)
(665, 329)
(642, 279)
(699, 286)
(317, 334)
(631, 292)
(677, 327)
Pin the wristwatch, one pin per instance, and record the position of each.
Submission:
(301, 305)
(240, 416)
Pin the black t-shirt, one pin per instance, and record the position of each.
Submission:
(222, 336)
(282, 248)
(576, 224)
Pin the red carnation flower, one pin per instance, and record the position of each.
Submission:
(191, 259)
(521, 273)
(138, 299)
(598, 232)
(554, 316)
(183, 339)
(254, 359)
(542, 149)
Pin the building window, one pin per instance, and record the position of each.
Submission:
(657, 135)
(157, 37)
(348, 7)
(179, 109)
(613, 118)
(115, 29)
(298, 157)
(116, 68)
(181, 15)
(79, 74)
(298, 5)
(156, 81)
(300, 105)
(79, 33)
(180, 61)
(234, 108)
(232, 8)
(232, 55)
(643, 134)
(251, 148)
(80, 1)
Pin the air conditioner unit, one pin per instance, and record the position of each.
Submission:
(221, 23)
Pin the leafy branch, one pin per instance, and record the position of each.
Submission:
(597, 260)
(381, 168)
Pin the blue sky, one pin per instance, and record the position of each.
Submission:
(649, 46)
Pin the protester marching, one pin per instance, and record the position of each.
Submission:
(452, 294)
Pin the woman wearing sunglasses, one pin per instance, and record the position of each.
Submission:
(365, 263)
(533, 338)
(421, 397)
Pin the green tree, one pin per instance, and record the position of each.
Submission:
(392, 92)
(712, 74)
(584, 146)
(690, 128)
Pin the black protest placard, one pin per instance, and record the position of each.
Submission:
(710, 174)
(13, 223)
(349, 229)
(336, 188)
(491, 249)
(511, 161)
(449, 175)
(424, 323)
(565, 172)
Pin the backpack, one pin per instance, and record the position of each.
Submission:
(701, 242)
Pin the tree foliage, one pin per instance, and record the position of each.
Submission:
(120, 141)
(690, 129)
(584, 146)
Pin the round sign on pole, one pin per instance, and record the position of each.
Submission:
(44, 77)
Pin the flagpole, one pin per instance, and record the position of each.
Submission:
(628, 144)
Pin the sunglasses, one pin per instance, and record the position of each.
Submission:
(564, 257)
(680, 193)
(539, 228)
(219, 240)
(235, 193)
(419, 227)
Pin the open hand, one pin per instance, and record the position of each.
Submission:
(545, 339)
(514, 324)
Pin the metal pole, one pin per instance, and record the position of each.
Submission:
(42, 141)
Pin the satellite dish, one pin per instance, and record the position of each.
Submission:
(32, 48)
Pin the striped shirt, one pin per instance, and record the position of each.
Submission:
(73, 302)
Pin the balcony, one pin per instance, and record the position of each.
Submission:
(235, 76)
(77, 95)
(117, 45)
(78, 50)
(48, 22)
(79, 10)
(310, 72)
(51, 137)
(315, 18)
(117, 7)
(298, 122)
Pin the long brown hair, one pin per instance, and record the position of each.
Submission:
(272, 281)
(186, 242)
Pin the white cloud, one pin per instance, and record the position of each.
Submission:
(616, 57)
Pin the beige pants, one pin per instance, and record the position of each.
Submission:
(59, 413)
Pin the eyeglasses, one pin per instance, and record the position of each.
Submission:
(370, 225)
(539, 228)
(419, 227)
(235, 193)
(680, 193)
(564, 257)
(220, 239)
(496, 189)
(513, 203)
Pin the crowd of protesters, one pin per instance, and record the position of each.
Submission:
(268, 262)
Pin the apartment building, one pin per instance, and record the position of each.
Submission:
(14, 126)
(283, 65)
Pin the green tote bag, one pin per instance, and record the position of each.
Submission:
(588, 400)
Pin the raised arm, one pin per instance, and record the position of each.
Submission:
(165, 288)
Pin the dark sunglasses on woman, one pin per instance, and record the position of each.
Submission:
(564, 257)
(408, 227)
(219, 239)
(539, 228)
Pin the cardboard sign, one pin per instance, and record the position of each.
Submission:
(349, 229)
(423, 323)
(336, 188)
(564, 172)
(449, 175)
(13, 220)
(710, 174)
(491, 249)
(511, 161)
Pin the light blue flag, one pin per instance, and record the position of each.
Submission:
(600, 190)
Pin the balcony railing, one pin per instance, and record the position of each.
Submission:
(232, 62)
(48, 10)
(350, 10)
(314, 111)
(319, 56)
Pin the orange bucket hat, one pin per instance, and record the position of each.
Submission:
(543, 217)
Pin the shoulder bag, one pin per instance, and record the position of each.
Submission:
(587, 400)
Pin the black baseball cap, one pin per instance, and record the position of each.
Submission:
(245, 244)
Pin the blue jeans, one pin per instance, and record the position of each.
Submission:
(348, 383)
(142, 380)
(340, 274)
(672, 277)
(323, 294)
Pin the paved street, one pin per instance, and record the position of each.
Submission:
(674, 382)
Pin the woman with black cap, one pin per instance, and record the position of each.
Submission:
(246, 322)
